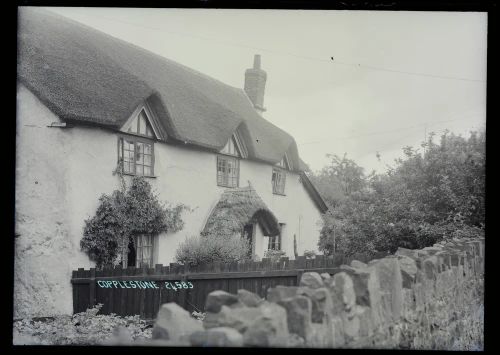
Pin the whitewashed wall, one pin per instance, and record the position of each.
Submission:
(60, 174)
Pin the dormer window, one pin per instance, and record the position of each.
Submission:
(284, 163)
(231, 148)
(228, 164)
(279, 176)
(141, 126)
(278, 181)
(136, 148)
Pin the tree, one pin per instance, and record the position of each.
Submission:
(424, 198)
(121, 216)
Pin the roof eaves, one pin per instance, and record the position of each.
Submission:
(316, 197)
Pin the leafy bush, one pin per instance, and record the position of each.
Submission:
(274, 255)
(424, 198)
(199, 315)
(121, 216)
(85, 328)
(309, 254)
(212, 248)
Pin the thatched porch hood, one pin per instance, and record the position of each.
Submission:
(238, 207)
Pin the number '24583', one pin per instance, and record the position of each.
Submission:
(177, 285)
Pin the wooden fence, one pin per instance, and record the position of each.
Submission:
(90, 288)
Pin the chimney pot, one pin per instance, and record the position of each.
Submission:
(256, 61)
(255, 83)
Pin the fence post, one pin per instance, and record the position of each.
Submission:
(299, 275)
(92, 291)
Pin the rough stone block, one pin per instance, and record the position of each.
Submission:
(268, 330)
(408, 265)
(390, 280)
(430, 267)
(444, 260)
(237, 318)
(319, 336)
(317, 313)
(337, 331)
(173, 322)
(325, 276)
(311, 280)
(322, 304)
(367, 290)
(407, 252)
(358, 264)
(343, 287)
(219, 298)
(352, 326)
(279, 293)
(409, 304)
(432, 250)
(366, 325)
(249, 299)
(299, 315)
(295, 341)
(347, 267)
(222, 336)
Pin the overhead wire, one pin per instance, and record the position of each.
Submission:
(331, 60)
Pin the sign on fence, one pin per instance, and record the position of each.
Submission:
(131, 291)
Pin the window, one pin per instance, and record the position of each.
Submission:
(140, 125)
(278, 181)
(136, 156)
(284, 163)
(144, 250)
(275, 242)
(136, 153)
(228, 171)
(231, 148)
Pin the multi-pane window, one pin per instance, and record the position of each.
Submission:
(144, 245)
(228, 171)
(275, 242)
(137, 156)
(278, 181)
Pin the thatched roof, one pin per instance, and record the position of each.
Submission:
(87, 77)
(238, 207)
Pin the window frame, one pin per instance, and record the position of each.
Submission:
(150, 119)
(139, 258)
(282, 172)
(136, 139)
(231, 143)
(276, 240)
(237, 163)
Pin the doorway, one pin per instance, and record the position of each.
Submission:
(248, 234)
(132, 255)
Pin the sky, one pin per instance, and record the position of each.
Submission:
(394, 78)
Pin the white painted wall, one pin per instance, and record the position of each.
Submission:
(60, 174)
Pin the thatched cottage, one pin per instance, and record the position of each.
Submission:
(87, 101)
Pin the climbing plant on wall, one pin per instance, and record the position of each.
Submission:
(123, 214)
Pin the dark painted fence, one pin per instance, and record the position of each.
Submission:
(253, 276)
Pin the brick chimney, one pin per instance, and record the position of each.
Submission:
(255, 83)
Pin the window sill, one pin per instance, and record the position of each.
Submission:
(145, 176)
(228, 187)
(279, 194)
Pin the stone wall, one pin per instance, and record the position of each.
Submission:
(416, 299)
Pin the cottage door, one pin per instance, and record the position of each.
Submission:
(131, 254)
(248, 234)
